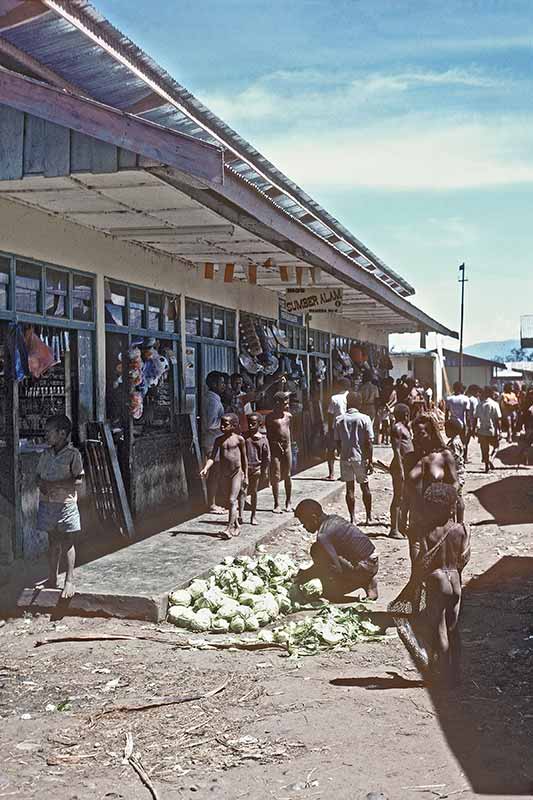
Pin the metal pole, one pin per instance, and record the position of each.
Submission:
(462, 281)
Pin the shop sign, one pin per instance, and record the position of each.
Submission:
(285, 316)
(313, 301)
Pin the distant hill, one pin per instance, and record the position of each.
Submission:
(495, 350)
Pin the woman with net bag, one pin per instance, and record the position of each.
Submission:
(426, 612)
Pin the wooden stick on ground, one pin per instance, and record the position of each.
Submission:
(133, 760)
(165, 701)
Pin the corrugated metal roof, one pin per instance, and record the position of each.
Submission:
(57, 43)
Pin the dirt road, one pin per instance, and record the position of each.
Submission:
(335, 726)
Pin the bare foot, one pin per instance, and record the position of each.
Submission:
(330, 478)
(216, 510)
(225, 534)
(288, 509)
(253, 521)
(241, 521)
(277, 510)
(236, 531)
(68, 591)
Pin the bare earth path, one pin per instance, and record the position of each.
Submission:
(334, 726)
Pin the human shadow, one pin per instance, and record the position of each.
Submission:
(487, 720)
(376, 683)
(509, 500)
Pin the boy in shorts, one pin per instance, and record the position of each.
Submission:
(59, 473)
(229, 451)
(354, 435)
(258, 454)
(455, 433)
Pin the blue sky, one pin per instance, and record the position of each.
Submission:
(409, 121)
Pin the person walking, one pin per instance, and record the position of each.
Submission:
(336, 407)
(354, 435)
(212, 413)
(488, 424)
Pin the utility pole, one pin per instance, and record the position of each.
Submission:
(462, 281)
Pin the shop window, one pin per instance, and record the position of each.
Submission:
(192, 318)
(4, 283)
(137, 309)
(207, 322)
(83, 298)
(56, 293)
(230, 326)
(115, 303)
(171, 314)
(154, 311)
(28, 287)
(218, 323)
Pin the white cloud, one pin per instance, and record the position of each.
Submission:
(305, 96)
(417, 152)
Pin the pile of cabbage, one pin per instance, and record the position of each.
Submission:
(241, 594)
(331, 628)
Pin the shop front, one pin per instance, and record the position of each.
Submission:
(143, 392)
(47, 325)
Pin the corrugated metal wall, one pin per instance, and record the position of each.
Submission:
(217, 357)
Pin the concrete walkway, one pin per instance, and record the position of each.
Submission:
(134, 582)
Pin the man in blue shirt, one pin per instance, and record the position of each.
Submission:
(343, 556)
(354, 436)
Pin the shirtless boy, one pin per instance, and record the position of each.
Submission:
(278, 427)
(230, 451)
(402, 445)
(258, 455)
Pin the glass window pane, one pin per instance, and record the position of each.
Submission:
(218, 323)
(230, 326)
(28, 287)
(171, 314)
(207, 322)
(83, 298)
(192, 318)
(154, 310)
(4, 283)
(56, 293)
(137, 310)
(115, 303)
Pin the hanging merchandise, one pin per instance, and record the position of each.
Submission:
(18, 354)
(280, 337)
(249, 337)
(41, 357)
(250, 364)
(319, 370)
(299, 373)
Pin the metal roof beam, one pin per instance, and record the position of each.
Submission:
(36, 67)
(202, 161)
(21, 13)
(241, 204)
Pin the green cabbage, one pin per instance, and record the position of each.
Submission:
(313, 588)
(244, 611)
(213, 598)
(202, 620)
(253, 584)
(198, 588)
(265, 636)
(229, 609)
(181, 616)
(263, 617)
(237, 625)
(180, 597)
(284, 603)
(247, 599)
(220, 625)
(251, 623)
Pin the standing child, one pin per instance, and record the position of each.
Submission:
(278, 426)
(59, 472)
(258, 455)
(230, 452)
(402, 447)
(455, 434)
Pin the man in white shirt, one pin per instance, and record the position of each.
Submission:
(473, 393)
(488, 416)
(458, 405)
(354, 435)
(212, 412)
(336, 407)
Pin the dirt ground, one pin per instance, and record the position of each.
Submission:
(339, 725)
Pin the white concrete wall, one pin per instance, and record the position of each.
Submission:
(481, 376)
(399, 366)
(338, 325)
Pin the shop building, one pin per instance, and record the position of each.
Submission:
(137, 227)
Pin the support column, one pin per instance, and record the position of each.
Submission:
(100, 365)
